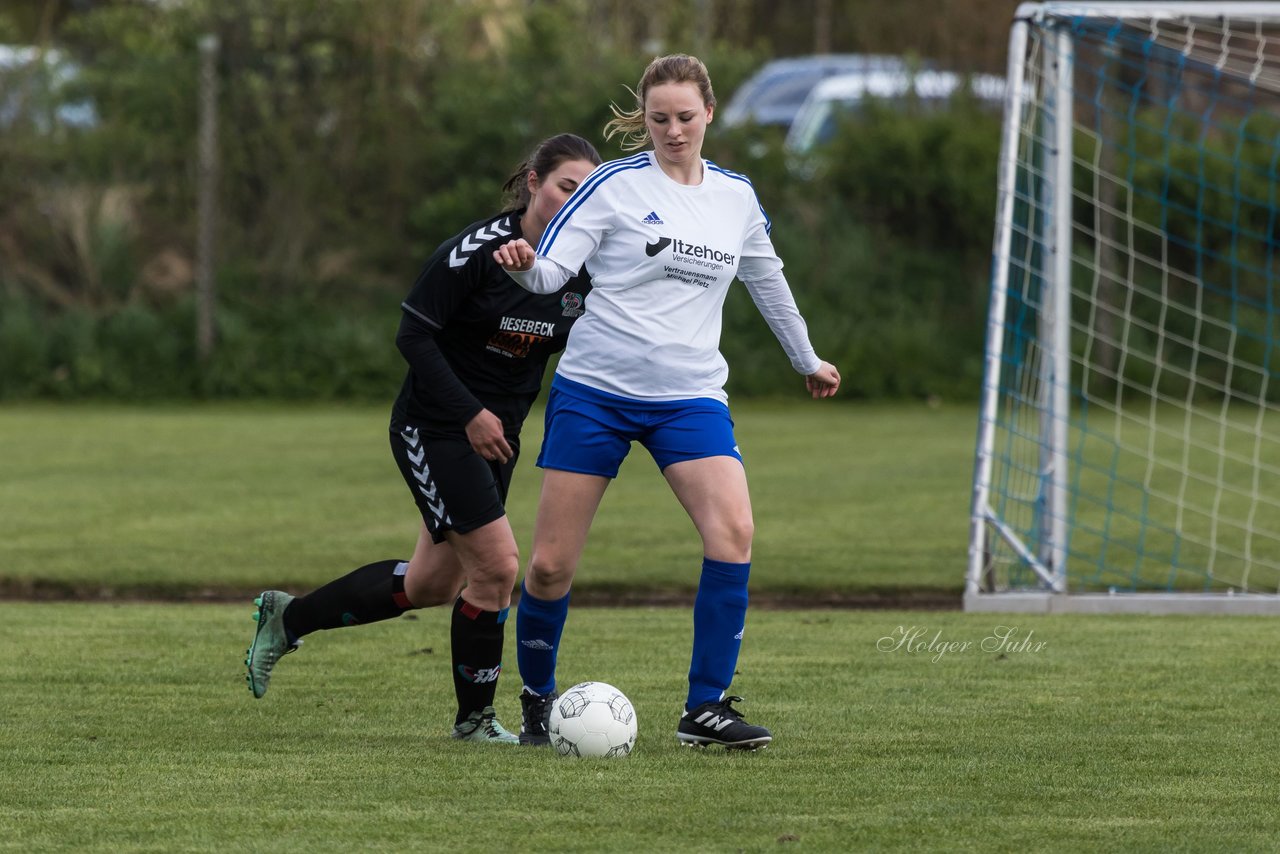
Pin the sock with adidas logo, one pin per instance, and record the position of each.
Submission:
(719, 615)
(476, 642)
(539, 623)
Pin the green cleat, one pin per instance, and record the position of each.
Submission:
(270, 641)
(483, 726)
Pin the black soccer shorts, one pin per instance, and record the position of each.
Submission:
(454, 487)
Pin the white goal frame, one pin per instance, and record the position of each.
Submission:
(1045, 555)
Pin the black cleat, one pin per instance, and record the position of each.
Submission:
(720, 723)
(536, 713)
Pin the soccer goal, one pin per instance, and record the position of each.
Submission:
(1128, 451)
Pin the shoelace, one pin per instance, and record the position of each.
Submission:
(540, 707)
(730, 710)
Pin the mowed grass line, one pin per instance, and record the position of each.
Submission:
(127, 727)
(179, 500)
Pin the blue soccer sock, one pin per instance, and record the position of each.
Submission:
(719, 616)
(539, 623)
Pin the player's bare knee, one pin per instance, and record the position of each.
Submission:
(493, 579)
(496, 574)
(730, 540)
(549, 572)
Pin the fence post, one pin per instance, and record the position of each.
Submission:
(207, 207)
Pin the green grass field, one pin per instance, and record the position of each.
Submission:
(127, 727)
(186, 501)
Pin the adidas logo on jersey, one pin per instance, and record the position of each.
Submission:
(653, 219)
(473, 241)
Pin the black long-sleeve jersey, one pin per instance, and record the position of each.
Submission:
(474, 338)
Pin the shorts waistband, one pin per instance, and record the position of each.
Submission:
(581, 391)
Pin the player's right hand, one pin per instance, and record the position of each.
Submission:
(515, 256)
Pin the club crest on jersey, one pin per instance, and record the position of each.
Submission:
(571, 304)
(653, 219)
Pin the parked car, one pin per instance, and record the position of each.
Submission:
(819, 116)
(773, 95)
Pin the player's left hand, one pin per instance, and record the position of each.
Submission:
(487, 439)
(823, 382)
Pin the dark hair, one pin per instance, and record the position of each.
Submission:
(544, 160)
(674, 68)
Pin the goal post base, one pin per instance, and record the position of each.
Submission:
(1034, 602)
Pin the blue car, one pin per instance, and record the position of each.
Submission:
(773, 95)
(819, 116)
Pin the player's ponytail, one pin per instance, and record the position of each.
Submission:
(628, 123)
(675, 68)
(544, 160)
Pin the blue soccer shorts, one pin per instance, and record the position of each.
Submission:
(590, 431)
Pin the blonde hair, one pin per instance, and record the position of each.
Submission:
(675, 68)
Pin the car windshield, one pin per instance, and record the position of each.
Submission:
(788, 89)
(774, 94)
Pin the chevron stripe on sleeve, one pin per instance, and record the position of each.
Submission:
(471, 242)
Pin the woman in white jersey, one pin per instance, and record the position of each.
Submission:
(663, 233)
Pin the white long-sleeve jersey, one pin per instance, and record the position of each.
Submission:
(661, 257)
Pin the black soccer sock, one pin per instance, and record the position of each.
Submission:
(366, 595)
(476, 637)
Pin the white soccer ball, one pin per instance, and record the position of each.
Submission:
(592, 719)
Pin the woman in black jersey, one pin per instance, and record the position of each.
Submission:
(477, 345)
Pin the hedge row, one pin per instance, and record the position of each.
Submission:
(357, 136)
